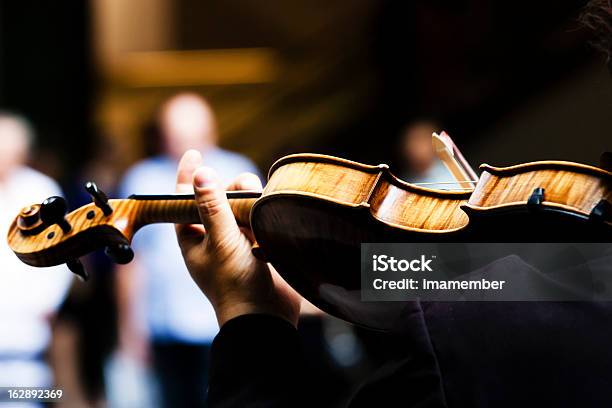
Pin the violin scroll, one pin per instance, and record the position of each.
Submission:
(45, 235)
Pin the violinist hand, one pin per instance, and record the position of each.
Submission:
(218, 254)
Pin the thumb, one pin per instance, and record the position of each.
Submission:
(214, 209)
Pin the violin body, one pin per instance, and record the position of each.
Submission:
(316, 210)
(552, 201)
(371, 193)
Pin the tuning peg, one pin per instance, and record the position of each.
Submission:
(28, 221)
(99, 198)
(78, 269)
(53, 211)
(121, 253)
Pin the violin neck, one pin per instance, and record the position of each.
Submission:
(182, 208)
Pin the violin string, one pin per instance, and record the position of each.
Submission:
(445, 182)
(457, 189)
(433, 183)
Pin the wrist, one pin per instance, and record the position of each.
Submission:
(229, 310)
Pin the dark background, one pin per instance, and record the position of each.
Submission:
(512, 82)
(503, 78)
(46, 74)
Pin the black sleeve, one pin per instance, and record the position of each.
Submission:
(256, 361)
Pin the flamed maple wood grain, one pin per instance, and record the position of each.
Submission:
(389, 200)
(334, 201)
(52, 246)
(571, 187)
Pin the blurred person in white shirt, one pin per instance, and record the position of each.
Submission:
(29, 297)
(163, 316)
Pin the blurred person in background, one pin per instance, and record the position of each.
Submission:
(418, 156)
(161, 311)
(29, 297)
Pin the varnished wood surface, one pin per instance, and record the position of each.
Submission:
(418, 212)
(52, 246)
(548, 165)
(573, 191)
(311, 220)
(316, 211)
(369, 198)
(372, 189)
(330, 181)
(388, 199)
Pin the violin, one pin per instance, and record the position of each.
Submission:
(316, 210)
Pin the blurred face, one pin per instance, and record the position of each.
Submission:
(187, 122)
(417, 148)
(13, 145)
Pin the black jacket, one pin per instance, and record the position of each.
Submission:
(458, 354)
